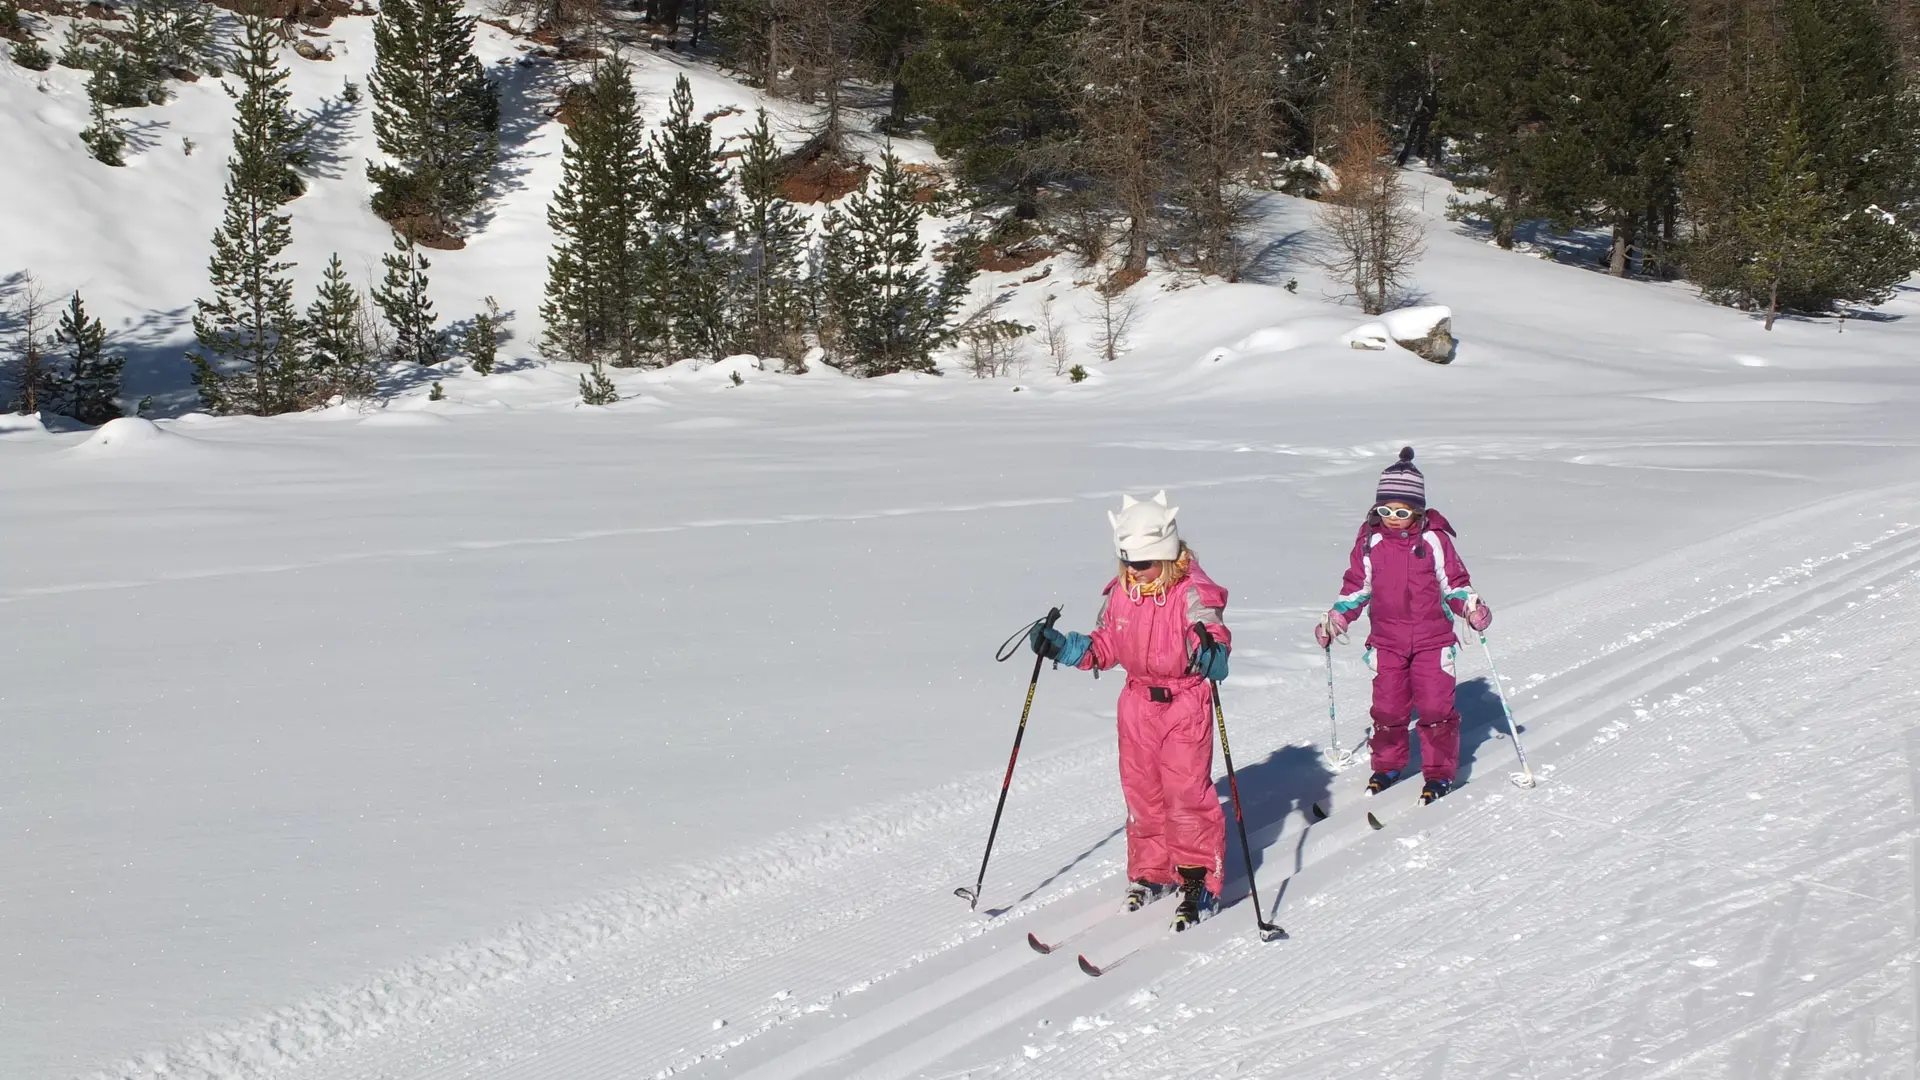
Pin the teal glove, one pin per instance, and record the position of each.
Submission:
(1067, 648)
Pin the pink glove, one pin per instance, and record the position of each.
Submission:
(1331, 626)
(1479, 616)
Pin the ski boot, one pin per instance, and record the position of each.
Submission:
(1196, 902)
(1381, 781)
(1143, 892)
(1434, 789)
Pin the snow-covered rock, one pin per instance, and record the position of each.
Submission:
(1426, 332)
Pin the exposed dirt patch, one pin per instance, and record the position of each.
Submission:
(427, 233)
(1005, 260)
(1121, 280)
(822, 180)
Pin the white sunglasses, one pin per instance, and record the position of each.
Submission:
(1391, 513)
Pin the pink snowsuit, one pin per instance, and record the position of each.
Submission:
(1414, 584)
(1166, 726)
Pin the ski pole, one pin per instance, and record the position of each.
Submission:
(1333, 720)
(972, 896)
(1268, 931)
(1524, 778)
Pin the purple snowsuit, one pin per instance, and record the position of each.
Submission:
(1415, 584)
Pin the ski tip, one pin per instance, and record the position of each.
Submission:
(1087, 966)
(1039, 946)
(1319, 813)
(1374, 821)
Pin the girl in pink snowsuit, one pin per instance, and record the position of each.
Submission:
(1405, 570)
(1176, 833)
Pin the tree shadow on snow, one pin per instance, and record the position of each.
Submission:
(155, 346)
(527, 91)
(325, 132)
(1281, 257)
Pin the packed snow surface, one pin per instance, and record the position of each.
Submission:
(502, 737)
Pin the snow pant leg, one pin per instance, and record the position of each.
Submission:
(1433, 686)
(1196, 826)
(1140, 783)
(1392, 709)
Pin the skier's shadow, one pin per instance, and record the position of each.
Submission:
(1482, 720)
(1288, 781)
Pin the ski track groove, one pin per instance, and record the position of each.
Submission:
(1638, 970)
(586, 995)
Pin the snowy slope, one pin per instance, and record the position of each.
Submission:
(496, 737)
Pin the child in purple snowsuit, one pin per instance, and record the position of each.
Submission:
(1405, 569)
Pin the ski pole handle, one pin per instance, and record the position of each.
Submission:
(1012, 645)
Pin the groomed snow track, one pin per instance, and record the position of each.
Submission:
(1596, 909)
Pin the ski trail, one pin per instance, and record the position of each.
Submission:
(767, 964)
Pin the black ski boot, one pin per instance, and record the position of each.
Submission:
(1196, 902)
(1381, 781)
(1143, 892)
(1434, 789)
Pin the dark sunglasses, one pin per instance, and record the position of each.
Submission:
(1132, 565)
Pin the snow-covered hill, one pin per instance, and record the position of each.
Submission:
(496, 737)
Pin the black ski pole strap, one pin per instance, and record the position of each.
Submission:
(1011, 646)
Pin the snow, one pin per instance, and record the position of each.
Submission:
(500, 736)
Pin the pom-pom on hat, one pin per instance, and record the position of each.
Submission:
(1144, 531)
(1402, 482)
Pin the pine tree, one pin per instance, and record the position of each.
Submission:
(1787, 230)
(691, 212)
(1829, 65)
(772, 239)
(481, 343)
(106, 137)
(263, 107)
(596, 388)
(1608, 153)
(402, 298)
(1499, 98)
(593, 299)
(883, 315)
(436, 117)
(339, 358)
(249, 358)
(30, 54)
(93, 375)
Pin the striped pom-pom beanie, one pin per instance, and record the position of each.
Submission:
(1402, 482)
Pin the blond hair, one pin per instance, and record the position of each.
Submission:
(1171, 572)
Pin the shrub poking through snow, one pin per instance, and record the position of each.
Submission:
(106, 136)
(30, 54)
(481, 343)
(596, 388)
